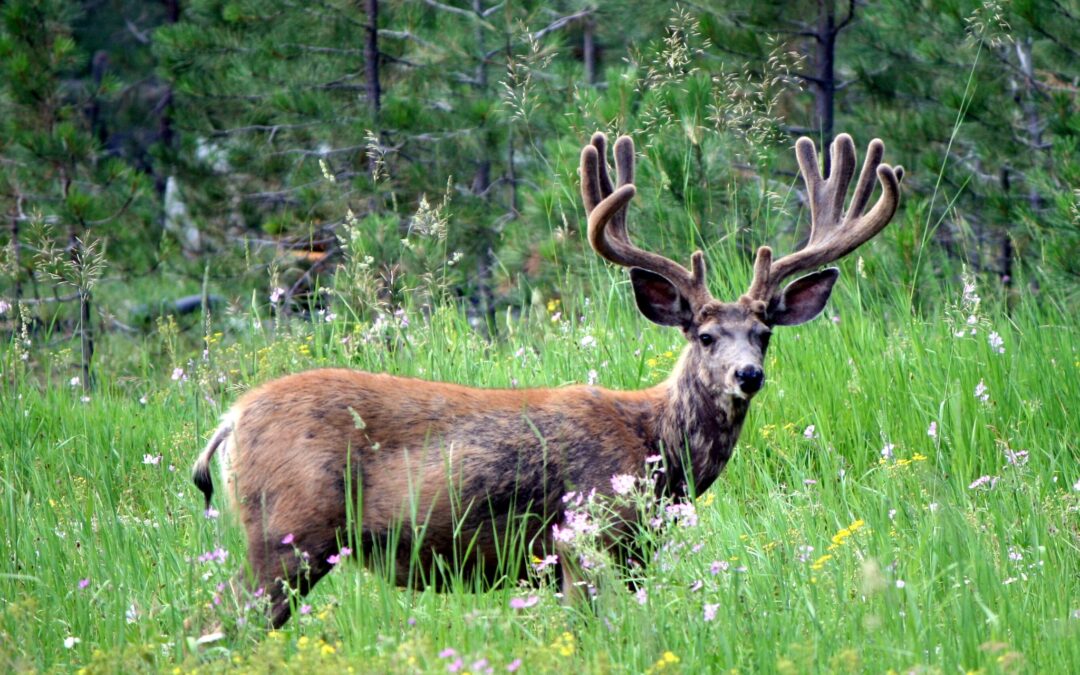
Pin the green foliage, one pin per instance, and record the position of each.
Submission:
(852, 531)
(440, 235)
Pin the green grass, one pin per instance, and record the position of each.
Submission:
(925, 574)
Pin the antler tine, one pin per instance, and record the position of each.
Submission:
(833, 234)
(606, 207)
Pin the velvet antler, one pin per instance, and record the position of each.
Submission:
(833, 233)
(606, 206)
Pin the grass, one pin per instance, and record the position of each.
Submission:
(815, 551)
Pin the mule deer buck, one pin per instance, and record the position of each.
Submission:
(440, 469)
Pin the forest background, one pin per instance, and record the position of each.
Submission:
(152, 150)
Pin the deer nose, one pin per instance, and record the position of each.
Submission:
(750, 378)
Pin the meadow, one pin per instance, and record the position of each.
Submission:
(904, 498)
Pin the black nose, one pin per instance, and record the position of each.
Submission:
(750, 378)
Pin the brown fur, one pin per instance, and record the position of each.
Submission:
(442, 474)
(456, 462)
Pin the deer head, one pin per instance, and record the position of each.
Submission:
(728, 340)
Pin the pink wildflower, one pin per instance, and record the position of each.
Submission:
(524, 603)
(623, 483)
(710, 611)
(981, 481)
(548, 560)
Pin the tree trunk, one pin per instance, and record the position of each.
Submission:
(1033, 125)
(825, 83)
(16, 254)
(86, 338)
(371, 56)
(481, 183)
(588, 48)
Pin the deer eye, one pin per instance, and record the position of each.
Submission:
(706, 339)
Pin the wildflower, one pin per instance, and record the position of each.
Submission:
(210, 513)
(710, 611)
(887, 451)
(70, 642)
(996, 343)
(524, 603)
(151, 459)
(588, 341)
(809, 481)
(653, 459)
(1076, 486)
(341, 555)
(808, 432)
(981, 481)
(1016, 457)
(592, 377)
(305, 609)
(513, 665)
(900, 583)
(276, 293)
(84, 399)
(75, 381)
(411, 621)
(623, 483)
(132, 613)
(1015, 554)
(4, 306)
(685, 514)
(217, 555)
(455, 666)
(719, 566)
(83, 583)
(548, 560)
(804, 553)
(931, 430)
(564, 644)
(178, 375)
(697, 586)
(479, 665)
(287, 539)
(642, 596)
(820, 562)
(981, 391)
(892, 514)
(447, 653)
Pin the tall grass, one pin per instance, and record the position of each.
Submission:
(844, 535)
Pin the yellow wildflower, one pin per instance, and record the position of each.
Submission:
(820, 562)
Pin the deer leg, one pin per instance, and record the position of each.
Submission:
(281, 569)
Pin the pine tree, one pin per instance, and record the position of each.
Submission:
(64, 199)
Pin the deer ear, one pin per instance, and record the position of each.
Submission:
(802, 299)
(659, 299)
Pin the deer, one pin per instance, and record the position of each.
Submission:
(433, 472)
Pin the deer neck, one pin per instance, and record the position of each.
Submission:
(696, 428)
